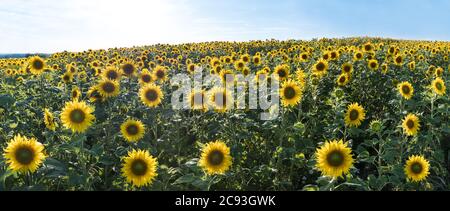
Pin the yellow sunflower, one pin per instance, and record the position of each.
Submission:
(334, 159)
(343, 79)
(347, 68)
(75, 93)
(282, 71)
(355, 115)
(406, 90)
(373, 64)
(140, 168)
(417, 168)
(67, 77)
(215, 158)
(438, 86)
(291, 93)
(411, 125)
(108, 88)
(398, 60)
(111, 73)
(151, 95)
(37, 65)
(24, 154)
(132, 130)
(145, 77)
(77, 116)
(358, 56)
(320, 68)
(160, 73)
(49, 120)
(94, 95)
(128, 69)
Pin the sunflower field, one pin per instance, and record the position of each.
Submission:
(365, 114)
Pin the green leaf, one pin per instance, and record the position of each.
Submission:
(6, 100)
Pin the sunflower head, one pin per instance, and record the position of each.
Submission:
(215, 158)
(49, 120)
(334, 159)
(406, 90)
(417, 168)
(411, 125)
(151, 95)
(24, 154)
(77, 116)
(343, 79)
(37, 65)
(438, 86)
(282, 72)
(139, 168)
(132, 130)
(111, 73)
(108, 88)
(373, 64)
(291, 93)
(160, 73)
(128, 69)
(320, 68)
(355, 115)
(347, 68)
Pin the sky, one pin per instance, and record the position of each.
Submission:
(47, 26)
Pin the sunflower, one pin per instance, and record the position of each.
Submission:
(343, 79)
(77, 116)
(139, 168)
(320, 68)
(94, 95)
(220, 99)
(438, 86)
(334, 159)
(239, 65)
(49, 120)
(151, 95)
(37, 65)
(24, 154)
(291, 93)
(196, 100)
(304, 57)
(412, 66)
(256, 60)
(417, 168)
(191, 68)
(75, 93)
(411, 125)
(282, 72)
(398, 60)
(406, 90)
(301, 77)
(71, 68)
(347, 68)
(67, 77)
(111, 73)
(373, 64)
(215, 158)
(160, 73)
(358, 56)
(128, 69)
(108, 88)
(145, 77)
(132, 130)
(355, 115)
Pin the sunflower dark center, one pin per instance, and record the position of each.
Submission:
(416, 168)
(240, 65)
(146, 78)
(24, 155)
(289, 93)
(66, 78)
(112, 75)
(139, 167)
(282, 73)
(410, 124)
(108, 87)
(373, 65)
(399, 59)
(406, 89)
(128, 69)
(347, 68)
(77, 116)
(151, 95)
(439, 86)
(74, 94)
(320, 66)
(304, 57)
(342, 79)
(132, 129)
(215, 158)
(354, 115)
(335, 159)
(38, 65)
(160, 74)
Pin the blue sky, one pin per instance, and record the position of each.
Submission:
(75, 25)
